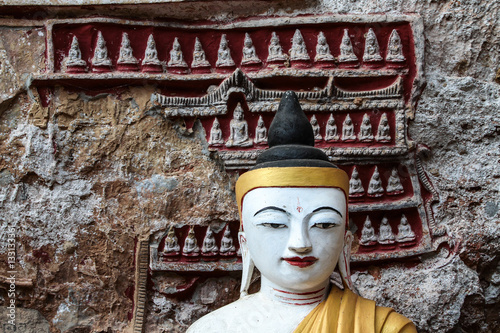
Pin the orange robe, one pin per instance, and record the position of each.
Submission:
(345, 312)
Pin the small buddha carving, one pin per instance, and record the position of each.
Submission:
(383, 131)
(348, 130)
(239, 130)
(372, 49)
(375, 188)
(275, 50)
(151, 54)
(368, 236)
(394, 185)
(74, 58)
(356, 188)
(216, 138)
(176, 56)
(101, 58)
(260, 132)
(209, 245)
(224, 58)
(298, 50)
(227, 247)
(395, 48)
(346, 50)
(199, 57)
(191, 247)
(249, 54)
(316, 129)
(365, 131)
(323, 49)
(171, 247)
(385, 235)
(405, 234)
(331, 133)
(126, 53)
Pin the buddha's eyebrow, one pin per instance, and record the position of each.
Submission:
(329, 208)
(271, 208)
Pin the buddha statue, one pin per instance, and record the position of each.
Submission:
(394, 185)
(216, 134)
(375, 188)
(199, 57)
(176, 56)
(275, 50)
(346, 50)
(191, 248)
(368, 236)
(249, 54)
(293, 214)
(405, 234)
(365, 130)
(227, 247)
(74, 58)
(385, 235)
(224, 58)
(171, 247)
(383, 131)
(316, 129)
(348, 130)
(126, 52)
(322, 49)
(209, 247)
(356, 188)
(298, 50)
(101, 58)
(238, 126)
(331, 133)
(151, 54)
(260, 132)
(394, 48)
(372, 49)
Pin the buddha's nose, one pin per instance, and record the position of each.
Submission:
(299, 241)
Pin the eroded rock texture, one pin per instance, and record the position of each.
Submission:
(84, 177)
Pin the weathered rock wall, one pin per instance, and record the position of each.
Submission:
(85, 177)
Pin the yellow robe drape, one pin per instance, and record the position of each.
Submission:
(345, 312)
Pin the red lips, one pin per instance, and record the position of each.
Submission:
(301, 262)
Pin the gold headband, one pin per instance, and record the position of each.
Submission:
(290, 177)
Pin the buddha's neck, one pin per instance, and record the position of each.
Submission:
(309, 297)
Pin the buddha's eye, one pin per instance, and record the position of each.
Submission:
(324, 225)
(274, 225)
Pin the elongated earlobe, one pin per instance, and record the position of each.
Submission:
(248, 265)
(345, 261)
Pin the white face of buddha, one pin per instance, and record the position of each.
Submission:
(295, 235)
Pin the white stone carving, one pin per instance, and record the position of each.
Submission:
(385, 234)
(348, 133)
(239, 130)
(216, 138)
(356, 188)
(275, 50)
(209, 245)
(383, 131)
(346, 50)
(365, 130)
(191, 244)
(331, 132)
(405, 234)
(372, 49)
(101, 58)
(260, 132)
(171, 243)
(176, 56)
(74, 58)
(375, 188)
(316, 129)
(151, 54)
(249, 54)
(323, 49)
(395, 48)
(199, 57)
(126, 56)
(224, 58)
(227, 247)
(368, 236)
(298, 50)
(394, 185)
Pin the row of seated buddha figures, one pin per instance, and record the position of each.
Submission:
(375, 187)
(101, 61)
(385, 236)
(191, 250)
